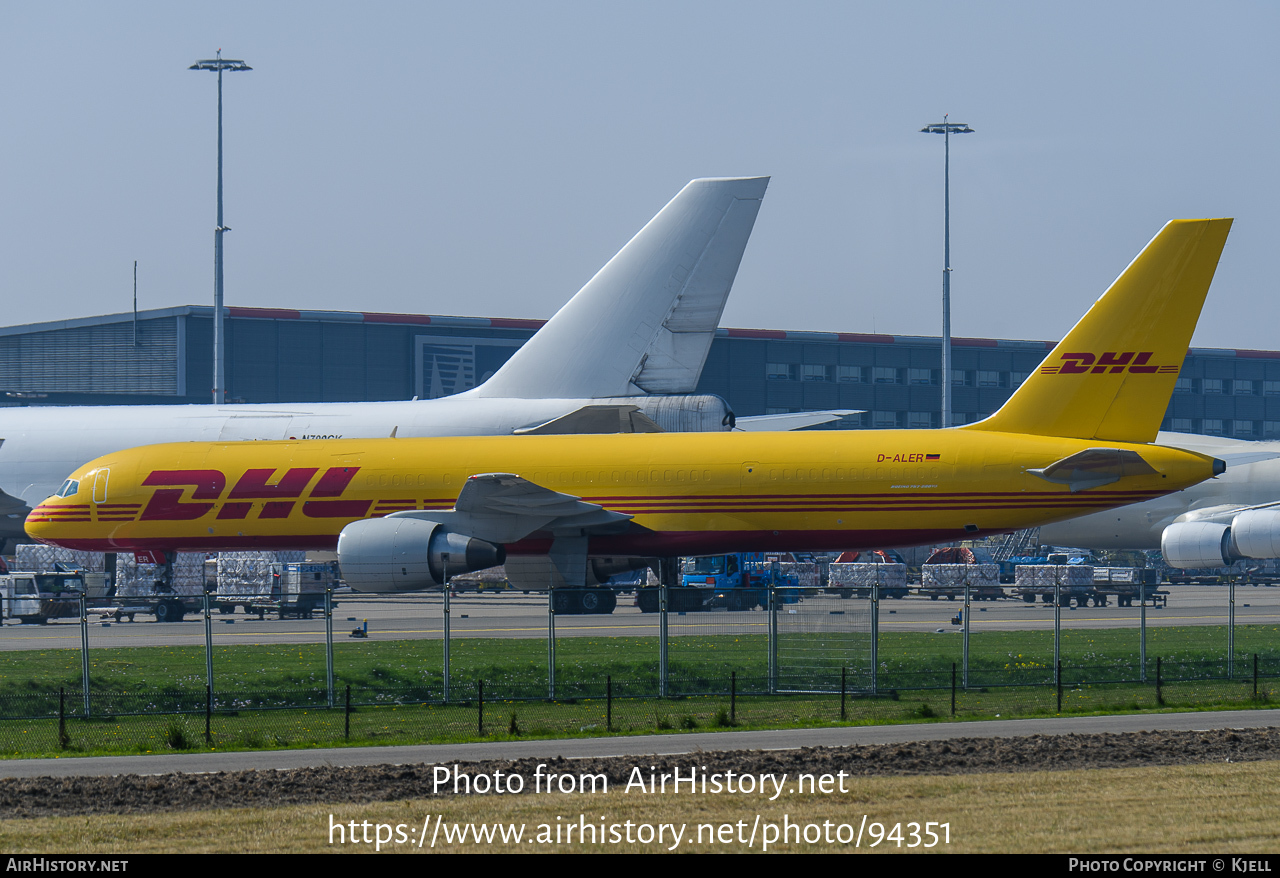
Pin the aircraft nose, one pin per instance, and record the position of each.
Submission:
(45, 522)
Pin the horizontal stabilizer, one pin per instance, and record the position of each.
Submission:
(645, 322)
(595, 419)
(1245, 458)
(792, 420)
(1094, 467)
(505, 508)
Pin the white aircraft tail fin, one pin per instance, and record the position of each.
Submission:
(645, 322)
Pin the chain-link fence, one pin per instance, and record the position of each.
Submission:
(272, 668)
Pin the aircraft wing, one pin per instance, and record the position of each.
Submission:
(505, 508)
(792, 420)
(595, 419)
(11, 505)
(1094, 467)
(605, 418)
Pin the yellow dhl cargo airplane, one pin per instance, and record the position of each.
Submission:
(405, 514)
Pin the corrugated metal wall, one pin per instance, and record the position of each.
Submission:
(93, 359)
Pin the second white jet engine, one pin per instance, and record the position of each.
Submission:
(1253, 533)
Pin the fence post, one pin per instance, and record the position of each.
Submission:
(346, 720)
(551, 641)
(1159, 684)
(1057, 613)
(208, 714)
(328, 644)
(608, 696)
(875, 643)
(1142, 639)
(1231, 628)
(843, 673)
(480, 703)
(1255, 676)
(953, 688)
(208, 640)
(84, 649)
(733, 698)
(773, 639)
(63, 739)
(667, 571)
(965, 630)
(445, 669)
(1058, 682)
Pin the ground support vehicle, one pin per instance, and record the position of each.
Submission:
(1126, 585)
(35, 598)
(172, 608)
(854, 573)
(32, 600)
(948, 571)
(736, 582)
(739, 581)
(1072, 583)
(297, 589)
(858, 579)
(259, 583)
(1083, 585)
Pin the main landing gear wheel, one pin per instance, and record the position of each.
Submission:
(169, 611)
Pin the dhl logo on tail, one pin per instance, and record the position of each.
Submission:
(1115, 363)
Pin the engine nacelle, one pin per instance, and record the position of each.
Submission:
(1196, 544)
(685, 413)
(408, 554)
(1255, 533)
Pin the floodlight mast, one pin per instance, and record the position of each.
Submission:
(219, 64)
(946, 129)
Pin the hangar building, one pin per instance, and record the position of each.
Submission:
(286, 356)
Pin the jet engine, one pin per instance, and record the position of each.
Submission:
(408, 554)
(1196, 544)
(1254, 533)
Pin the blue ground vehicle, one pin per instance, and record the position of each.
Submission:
(738, 581)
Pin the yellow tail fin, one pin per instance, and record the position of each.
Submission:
(1112, 376)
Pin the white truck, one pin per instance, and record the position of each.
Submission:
(35, 598)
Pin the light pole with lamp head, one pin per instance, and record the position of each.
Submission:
(946, 129)
(219, 64)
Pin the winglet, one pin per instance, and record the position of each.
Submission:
(1112, 376)
(645, 322)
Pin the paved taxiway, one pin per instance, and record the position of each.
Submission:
(638, 746)
(515, 615)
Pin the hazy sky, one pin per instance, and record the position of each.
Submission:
(487, 158)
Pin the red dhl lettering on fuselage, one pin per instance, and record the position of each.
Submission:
(166, 504)
(1108, 361)
(912, 457)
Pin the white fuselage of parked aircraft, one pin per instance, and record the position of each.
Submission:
(636, 334)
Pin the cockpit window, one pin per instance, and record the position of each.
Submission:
(69, 487)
